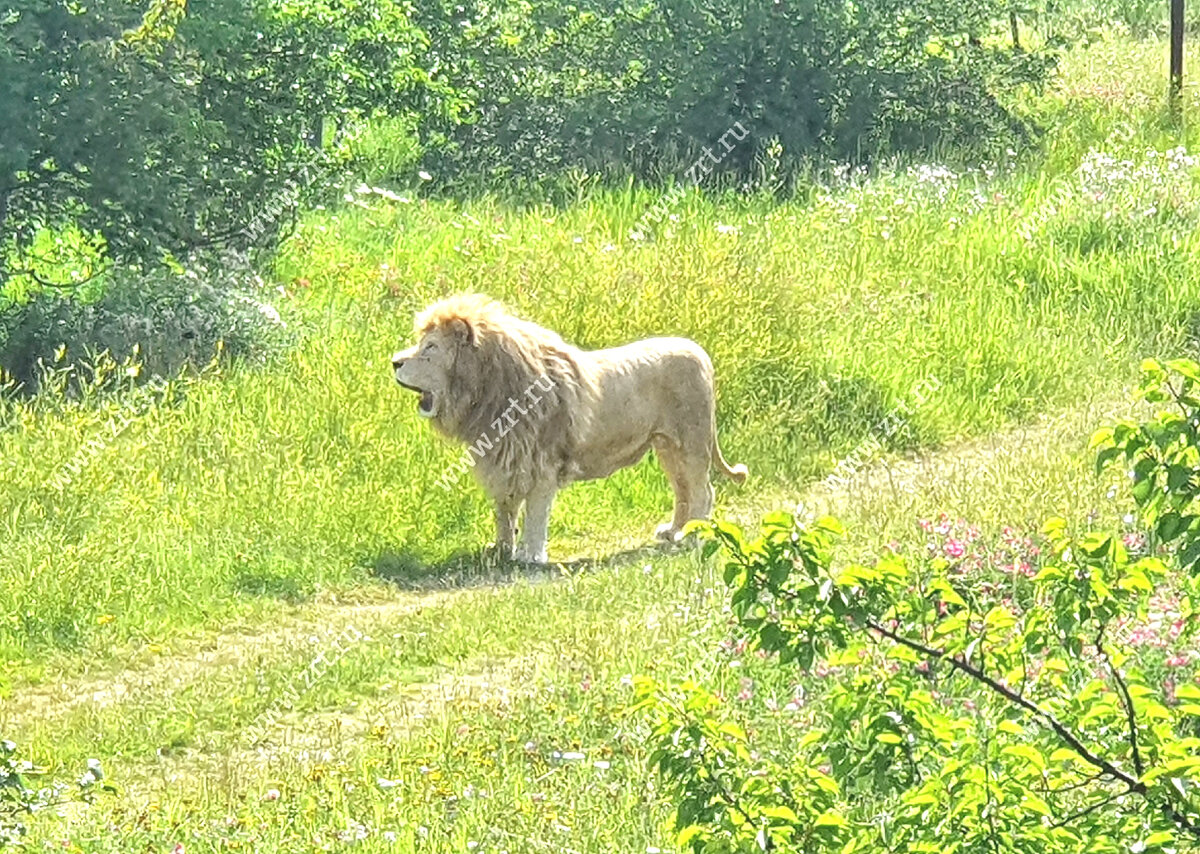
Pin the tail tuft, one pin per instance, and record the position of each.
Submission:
(738, 473)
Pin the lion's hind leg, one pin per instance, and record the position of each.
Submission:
(687, 471)
(670, 457)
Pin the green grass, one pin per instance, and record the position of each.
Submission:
(275, 500)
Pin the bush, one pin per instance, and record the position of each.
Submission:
(154, 323)
(647, 87)
(1162, 458)
(187, 128)
(18, 800)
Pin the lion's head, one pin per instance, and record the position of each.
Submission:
(472, 358)
(429, 367)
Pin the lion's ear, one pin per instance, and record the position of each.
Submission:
(462, 330)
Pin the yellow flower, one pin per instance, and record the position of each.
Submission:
(104, 619)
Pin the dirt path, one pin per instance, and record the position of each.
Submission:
(164, 675)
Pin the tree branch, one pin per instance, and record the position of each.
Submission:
(1087, 781)
(1073, 741)
(1087, 810)
(1126, 701)
(46, 283)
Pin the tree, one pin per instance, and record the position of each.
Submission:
(644, 87)
(130, 136)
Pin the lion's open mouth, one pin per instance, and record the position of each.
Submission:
(425, 404)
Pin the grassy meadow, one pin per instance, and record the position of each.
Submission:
(169, 571)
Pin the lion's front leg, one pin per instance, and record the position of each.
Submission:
(537, 524)
(506, 526)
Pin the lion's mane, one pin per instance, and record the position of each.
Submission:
(500, 359)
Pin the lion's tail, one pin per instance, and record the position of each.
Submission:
(736, 473)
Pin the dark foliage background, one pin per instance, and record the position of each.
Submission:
(186, 133)
(643, 87)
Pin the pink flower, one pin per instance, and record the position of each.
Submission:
(178, 849)
(1134, 541)
(1177, 660)
(954, 548)
(1144, 635)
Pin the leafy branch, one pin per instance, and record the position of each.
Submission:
(1133, 783)
(883, 732)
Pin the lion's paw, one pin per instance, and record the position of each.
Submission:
(529, 555)
(668, 533)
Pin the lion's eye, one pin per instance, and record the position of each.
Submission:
(429, 348)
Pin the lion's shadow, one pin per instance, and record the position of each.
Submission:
(482, 567)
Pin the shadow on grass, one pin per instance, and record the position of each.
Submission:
(483, 567)
(268, 584)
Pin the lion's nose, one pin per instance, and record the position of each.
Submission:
(397, 361)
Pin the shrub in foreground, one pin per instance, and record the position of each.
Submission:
(18, 800)
(958, 716)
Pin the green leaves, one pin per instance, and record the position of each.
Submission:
(1163, 456)
(992, 723)
(168, 129)
(952, 720)
(557, 87)
(726, 796)
(24, 791)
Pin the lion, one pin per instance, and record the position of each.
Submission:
(538, 413)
